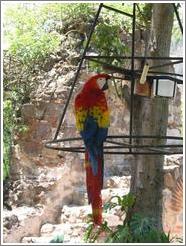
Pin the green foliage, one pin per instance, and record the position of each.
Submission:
(125, 202)
(7, 136)
(121, 235)
(144, 14)
(58, 239)
(92, 233)
(88, 232)
(139, 229)
(10, 126)
(69, 11)
(28, 39)
(32, 47)
(15, 94)
(108, 45)
(82, 12)
(107, 39)
(155, 235)
(35, 30)
(141, 225)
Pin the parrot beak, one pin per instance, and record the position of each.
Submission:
(106, 85)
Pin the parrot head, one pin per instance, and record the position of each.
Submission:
(99, 81)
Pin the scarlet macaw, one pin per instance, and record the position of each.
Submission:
(92, 121)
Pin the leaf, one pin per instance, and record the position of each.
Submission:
(127, 201)
(140, 225)
(108, 206)
(88, 231)
(122, 235)
(153, 236)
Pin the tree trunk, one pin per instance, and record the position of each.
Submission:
(150, 117)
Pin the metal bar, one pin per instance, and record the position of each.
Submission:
(139, 10)
(114, 142)
(135, 57)
(174, 91)
(120, 145)
(77, 73)
(113, 67)
(158, 150)
(117, 152)
(167, 77)
(178, 17)
(60, 140)
(142, 146)
(165, 73)
(116, 137)
(157, 84)
(115, 77)
(154, 148)
(166, 64)
(117, 10)
(128, 73)
(143, 153)
(135, 73)
(132, 69)
(146, 136)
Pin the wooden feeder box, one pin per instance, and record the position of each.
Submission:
(161, 86)
(143, 89)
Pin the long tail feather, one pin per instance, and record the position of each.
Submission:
(94, 185)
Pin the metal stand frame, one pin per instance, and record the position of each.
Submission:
(167, 149)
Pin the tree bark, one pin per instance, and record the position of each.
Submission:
(150, 117)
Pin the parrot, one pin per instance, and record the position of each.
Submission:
(92, 122)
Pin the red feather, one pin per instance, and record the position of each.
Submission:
(94, 186)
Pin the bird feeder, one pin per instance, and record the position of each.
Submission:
(157, 86)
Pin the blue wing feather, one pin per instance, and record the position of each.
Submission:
(93, 137)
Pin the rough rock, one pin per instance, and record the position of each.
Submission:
(8, 222)
(108, 193)
(113, 220)
(117, 182)
(40, 240)
(169, 181)
(28, 111)
(174, 160)
(46, 229)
